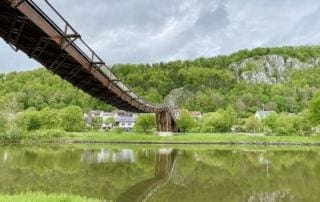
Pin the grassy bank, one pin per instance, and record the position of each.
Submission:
(40, 197)
(189, 138)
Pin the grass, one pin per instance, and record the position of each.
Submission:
(40, 197)
(187, 138)
(128, 137)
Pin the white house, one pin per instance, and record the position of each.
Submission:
(123, 119)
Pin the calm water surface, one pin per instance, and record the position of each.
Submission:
(163, 173)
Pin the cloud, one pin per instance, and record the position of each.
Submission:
(147, 31)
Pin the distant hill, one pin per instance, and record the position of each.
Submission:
(279, 79)
(39, 89)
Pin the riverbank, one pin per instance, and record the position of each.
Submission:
(61, 137)
(240, 139)
(40, 197)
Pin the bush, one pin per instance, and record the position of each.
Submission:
(28, 120)
(145, 123)
(288, 124)
(185, 121)
(13, 134)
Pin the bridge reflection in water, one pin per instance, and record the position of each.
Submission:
(164, 167)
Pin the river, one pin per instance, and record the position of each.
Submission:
(163, 173)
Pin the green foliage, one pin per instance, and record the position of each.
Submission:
(213, 84)
(252, 124)
(153, 96)
(40, 89)
(96, 122)
(13, 134)
(315, 109)
(72, 119)
(220, 121)
(50, 118)
(288, 124)
(185, 122)
(3, 123)
(145, 123)
(28, 120)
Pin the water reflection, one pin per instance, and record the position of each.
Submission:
(163, 174)
(107, 156)
(164, 166)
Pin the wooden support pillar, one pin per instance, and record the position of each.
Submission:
(165, 122)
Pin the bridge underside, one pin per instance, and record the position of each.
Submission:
(24, 26)
(23, 34)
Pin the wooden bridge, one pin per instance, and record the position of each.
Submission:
(26, 25)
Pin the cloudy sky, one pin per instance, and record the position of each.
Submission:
(141, 31)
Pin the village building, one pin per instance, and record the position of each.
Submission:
(107, 120)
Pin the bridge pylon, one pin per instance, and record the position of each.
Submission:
(165, 121)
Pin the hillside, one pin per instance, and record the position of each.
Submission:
(279, 79)
(40, 89)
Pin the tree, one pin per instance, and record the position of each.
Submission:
(72, 119)
(50, 118)
(270, 122)
(220, 121)
(145, 123)
(28, 120)
(252, 124)
(302, 123)
(185, 122)
(315, 109)
(153, 96)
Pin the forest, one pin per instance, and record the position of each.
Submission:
(214, 86)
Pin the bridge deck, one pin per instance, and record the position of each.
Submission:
(26, 27)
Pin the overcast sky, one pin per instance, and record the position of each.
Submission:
(141, 31)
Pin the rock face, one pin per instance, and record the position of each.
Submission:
(177, 96)
(266, 69)
(269, 68)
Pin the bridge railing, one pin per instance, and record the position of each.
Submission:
(73, 38)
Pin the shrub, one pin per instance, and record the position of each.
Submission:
(145, 123)
(13, 134)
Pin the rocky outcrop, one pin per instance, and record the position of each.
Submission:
(269, 68)
(177, 96)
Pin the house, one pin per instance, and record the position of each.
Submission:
(262, 114)
(123, 119)
(125, 122)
